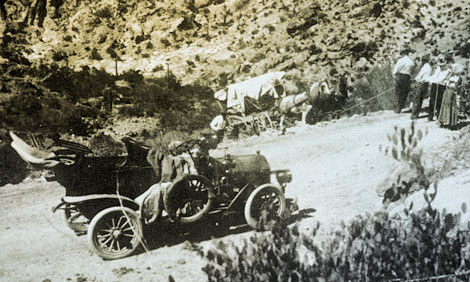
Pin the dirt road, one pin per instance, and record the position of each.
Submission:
(336, 168)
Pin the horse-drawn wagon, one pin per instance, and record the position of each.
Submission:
(252, 105)
(109, 197)
(248, 104)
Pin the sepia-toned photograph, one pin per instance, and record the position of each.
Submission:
(235, 140)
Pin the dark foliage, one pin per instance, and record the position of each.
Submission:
(12, 168)
(375, 247)
(372, 90)
(179, 107)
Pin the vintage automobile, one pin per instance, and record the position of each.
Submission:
(102, 193)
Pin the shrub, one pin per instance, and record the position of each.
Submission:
(165, 42)
(187, 107)
(104, 13)
(103, 145)
(84, 84)
(12, 168)
(374, 247)
(404, 148)
(59, 55)
(35, 110)
(464, 49)
(372, 90)
(239, 4)
(95, 55)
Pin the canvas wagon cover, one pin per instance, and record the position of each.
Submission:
(254, 88)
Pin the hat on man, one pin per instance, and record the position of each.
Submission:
(441, 60)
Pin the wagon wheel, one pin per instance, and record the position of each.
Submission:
(268, 118)
(265, 207)
(244, 127)
(189, 199)
(259, 124)
(75, 219)
(115, 232)
(236, 120)
(265, 121)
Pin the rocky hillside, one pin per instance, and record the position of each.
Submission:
(215, 42)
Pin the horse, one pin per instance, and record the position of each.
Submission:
(303, 102)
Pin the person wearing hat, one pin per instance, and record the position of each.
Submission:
(402, 72)
(423, 78)
(438, 87)
(449, 109)
(218, 125)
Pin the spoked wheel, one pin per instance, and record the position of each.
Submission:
(75, 219)
(237, 120)
(189, 199)
(245, 128)
(263, 122)
(267, 120)
(265, 207)
(115, 232)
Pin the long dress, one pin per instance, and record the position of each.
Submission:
(448, 114)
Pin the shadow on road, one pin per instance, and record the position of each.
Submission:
(166, 233)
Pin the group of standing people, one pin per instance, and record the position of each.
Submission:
(34, 9)
(439, 79)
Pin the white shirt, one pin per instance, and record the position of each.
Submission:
(439, 76)
(404, 66)
(424, 74)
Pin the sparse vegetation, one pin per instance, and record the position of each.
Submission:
(293, 36)
(42, 91)
(379, 247)
(412, 244)
(95, 55)
(239, 4)
(372, 89)
(405, 148)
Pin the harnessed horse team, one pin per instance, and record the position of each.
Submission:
(313, 104)
(303, 102)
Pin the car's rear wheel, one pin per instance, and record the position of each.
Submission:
(115, 233)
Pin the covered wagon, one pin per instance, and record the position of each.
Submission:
(248, 103)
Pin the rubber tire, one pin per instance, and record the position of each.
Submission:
(98, 222)
(253, 200)
(173, 193)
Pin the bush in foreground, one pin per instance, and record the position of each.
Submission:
(377, 247)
